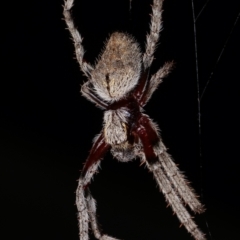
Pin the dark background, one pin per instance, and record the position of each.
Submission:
(47, 127)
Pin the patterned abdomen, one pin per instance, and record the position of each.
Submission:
(119, 67)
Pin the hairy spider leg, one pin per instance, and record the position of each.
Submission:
(152, 83)
(91, 204)
(174, 200)
(153, 36)
(141, 86)
(143, 93)
(77, 38)
(151, 42)
(92, 96)
(85, 202)
(177, 178)
(149, 138)
(98, 151)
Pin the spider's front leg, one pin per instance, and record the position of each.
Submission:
(77, 38)
(85, 203)
(153, 36)
(152, 83)
(171, 182)
(87, 92)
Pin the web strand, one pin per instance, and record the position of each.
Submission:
(199, 104)
(130, 5)
(220, 55)
(204, 6)
(197, 77)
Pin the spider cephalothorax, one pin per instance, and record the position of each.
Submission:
(119, 83)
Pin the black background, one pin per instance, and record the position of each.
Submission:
(47, 127)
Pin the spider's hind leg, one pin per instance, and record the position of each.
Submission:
(91, 204)
(171, 182)
(178, 180)
(85, 203)
(174, 200)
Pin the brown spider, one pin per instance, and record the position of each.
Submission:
(120, 85)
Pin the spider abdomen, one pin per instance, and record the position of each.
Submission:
(118, 69)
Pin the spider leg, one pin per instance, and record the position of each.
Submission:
(174, 200)
(179, 181)
(167, 176)
(85, 203)
(174, 174)
(77, 39)
(153, 36)
(146, 87)
(93, 219)
(88, 93)
(142, 83)
(152, 84)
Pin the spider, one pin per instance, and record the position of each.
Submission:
(119, 83)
